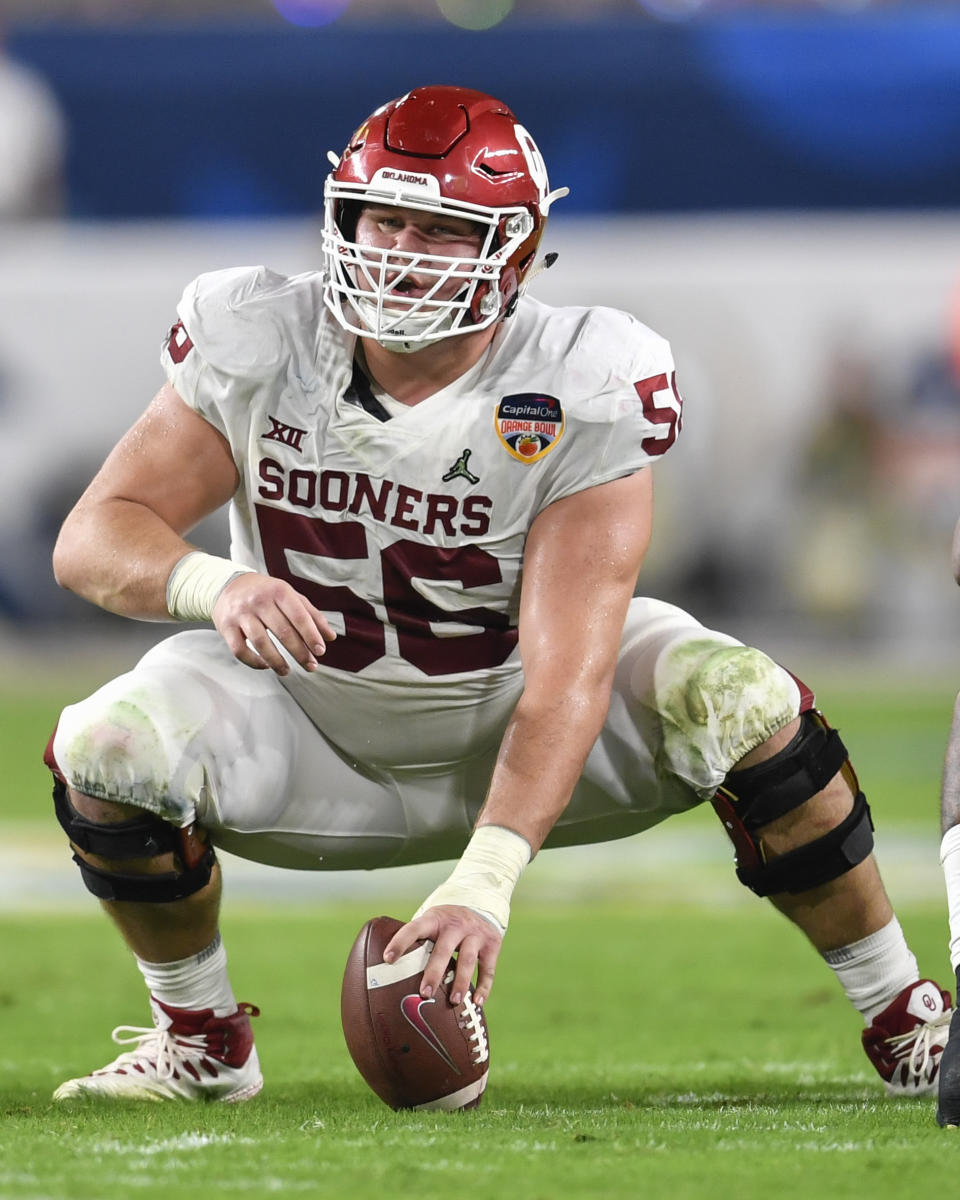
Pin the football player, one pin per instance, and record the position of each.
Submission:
(948, 1108)
(425, 642)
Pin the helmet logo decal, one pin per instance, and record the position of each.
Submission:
(534, 159)
(529, 425)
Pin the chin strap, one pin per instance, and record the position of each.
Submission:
(544, 264)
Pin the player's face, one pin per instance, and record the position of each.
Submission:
(436, 240)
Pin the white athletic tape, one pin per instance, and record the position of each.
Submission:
(485, 876)
(195, 583)
(414, 962)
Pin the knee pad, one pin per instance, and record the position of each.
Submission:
(145, 836)
(752, 798)
(739, 682)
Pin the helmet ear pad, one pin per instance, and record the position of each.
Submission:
(512, 274)
(509, 293)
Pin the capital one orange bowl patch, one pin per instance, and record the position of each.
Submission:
(529, 425)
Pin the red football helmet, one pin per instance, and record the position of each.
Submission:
(445, 150)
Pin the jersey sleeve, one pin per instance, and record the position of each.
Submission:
(212, 354)
(625, 410)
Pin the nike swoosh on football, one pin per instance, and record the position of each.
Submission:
(412, 1008)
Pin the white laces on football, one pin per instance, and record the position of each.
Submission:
(478, 1034)
(917, 1045)
(471, 1018)
(157, 1048)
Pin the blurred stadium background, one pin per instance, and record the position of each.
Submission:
(773, 186)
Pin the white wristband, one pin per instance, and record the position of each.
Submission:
(196, 582)
(485, 876)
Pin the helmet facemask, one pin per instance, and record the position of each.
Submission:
(366, 286)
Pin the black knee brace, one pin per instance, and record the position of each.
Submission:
(752, 798)
(145, 836)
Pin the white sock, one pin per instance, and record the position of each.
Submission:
(200, 981)
(950, 858)
(875, 970)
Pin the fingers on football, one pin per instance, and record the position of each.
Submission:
(467, 958)
(401, 941)
(475, 943)
(423, 928)
(438, 963)
(487, 966)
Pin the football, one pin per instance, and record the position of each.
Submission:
(414, 1053)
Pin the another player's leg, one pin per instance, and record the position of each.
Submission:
(161, 886)
(948, 1108)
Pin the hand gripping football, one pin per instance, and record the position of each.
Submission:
(414, 1053)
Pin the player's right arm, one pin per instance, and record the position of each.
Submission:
(122, 540)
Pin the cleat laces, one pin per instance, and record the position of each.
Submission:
(915, 1049)
(163, 1051)
(189, 1055)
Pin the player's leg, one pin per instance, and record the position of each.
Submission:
(948, 1108)
(730, 725)
(159, 884)
(192, 751)
(815, 864)
(200, 1045)
(136, 767)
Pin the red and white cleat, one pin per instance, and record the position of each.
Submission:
(188, 1055)
(906, 1040)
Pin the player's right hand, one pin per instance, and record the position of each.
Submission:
(453, 929)
(253, 606)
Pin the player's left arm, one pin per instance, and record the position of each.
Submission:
(581, 562)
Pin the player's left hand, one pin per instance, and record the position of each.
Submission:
(452, 929)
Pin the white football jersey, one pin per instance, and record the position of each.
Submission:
(408, 530)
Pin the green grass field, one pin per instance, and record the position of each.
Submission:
(661, 1035)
